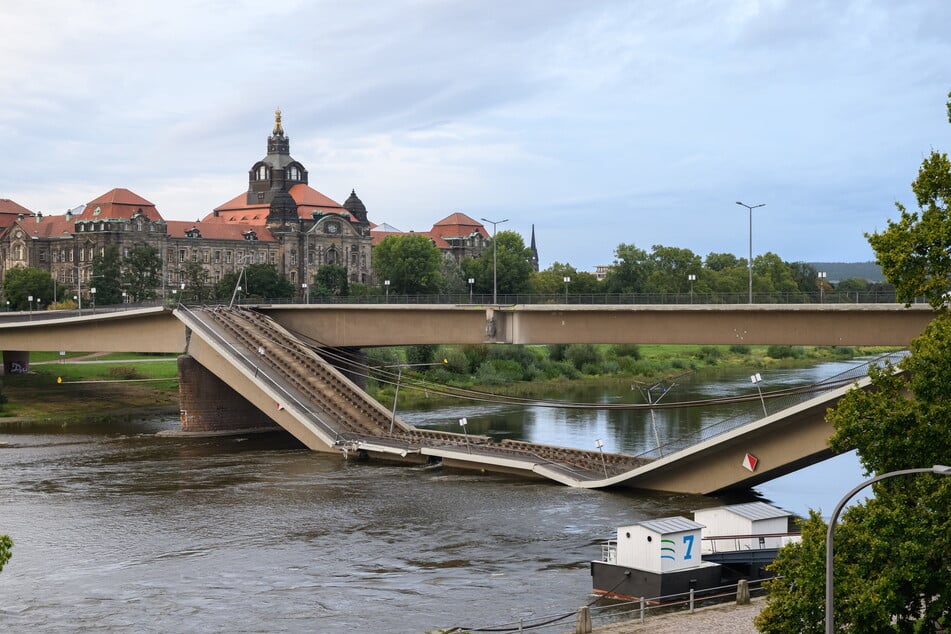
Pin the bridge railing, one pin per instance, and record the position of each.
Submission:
(776, 404)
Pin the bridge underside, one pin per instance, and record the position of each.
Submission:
(286, 383)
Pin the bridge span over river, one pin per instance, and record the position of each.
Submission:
(260, 368)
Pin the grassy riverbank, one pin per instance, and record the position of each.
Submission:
(72, 388)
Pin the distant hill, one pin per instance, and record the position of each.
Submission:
(838, 271)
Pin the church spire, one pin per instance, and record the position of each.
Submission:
(534, 251)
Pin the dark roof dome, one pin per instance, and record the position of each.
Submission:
(283, 208)
(356, 207)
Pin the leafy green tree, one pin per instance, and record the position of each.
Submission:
(107, 276)
(915, 251)
(551, 281)
(6, 550)
(410, 262)
(258, 282)
(142, 273)
(513, 269)
(805, 276)
(331, 281)
(629, 272)
(670, 268)
(891, 551)
(22, 282)
(452, 279)
(721, 261)
(197, 288)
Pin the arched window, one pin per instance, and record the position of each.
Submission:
(293, 173)
(262, 172)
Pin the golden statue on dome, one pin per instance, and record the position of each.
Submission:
(278, 129)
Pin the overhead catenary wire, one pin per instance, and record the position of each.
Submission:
(409, 382)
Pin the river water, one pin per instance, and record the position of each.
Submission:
(119, 530)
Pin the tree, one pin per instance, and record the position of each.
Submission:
(195, 277)
(670, 268)
(410, 262)
(142, 273)
(331, 281)
(551, 281)
(107, 276)
(629, 271)
(510, 267)
(891, 552)
(6, 548)
(257, 281)
(21, 283)
(891, 570)
(915, 252)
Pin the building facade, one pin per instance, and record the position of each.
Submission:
(278, 220)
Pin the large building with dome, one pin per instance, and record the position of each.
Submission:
(279, 220)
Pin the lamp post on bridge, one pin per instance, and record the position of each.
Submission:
(751, 208)
(386, 284)
(495, 257)
(822, 284)
(691, 278)
(567, 279)
(830, 616)
(471, 282)
(399, 377)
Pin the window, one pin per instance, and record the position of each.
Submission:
(262, 172)
(227, 257)
(205, 256)
(293, 173)
(18, 252)
(217, 258)
(293, 257)
(181, 255)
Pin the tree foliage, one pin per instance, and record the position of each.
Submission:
(891, 566)
(512, 265)
(331, 281)
(20, 283)
(257, 281)
(197, 288)
(107, 276)
(551, 281)
(142, 273)
(915, 251)
(6, 550)
(410, 262)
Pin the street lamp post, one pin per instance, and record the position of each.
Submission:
(386, 283)
(751, 208)
(306, 293)
(822, 283)
(692, 278)
(29, 298)
(471, 282)
(756, 379)
(830, 551)
(92, 291)
(567, 279)
(495, 257)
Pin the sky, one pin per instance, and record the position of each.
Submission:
(600, 123)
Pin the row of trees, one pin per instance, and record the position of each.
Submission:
(413, 265)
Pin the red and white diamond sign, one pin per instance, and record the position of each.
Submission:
(750, 461)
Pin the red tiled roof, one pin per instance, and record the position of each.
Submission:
(118, 203)
(8, 206)
(307, 198)
(217, 230)
(458, 225)
(378, 237)
(47, 226)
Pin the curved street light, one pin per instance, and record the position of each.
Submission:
(939, 469)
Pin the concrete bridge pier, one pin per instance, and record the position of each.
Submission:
(16, 362)
(209, 405)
